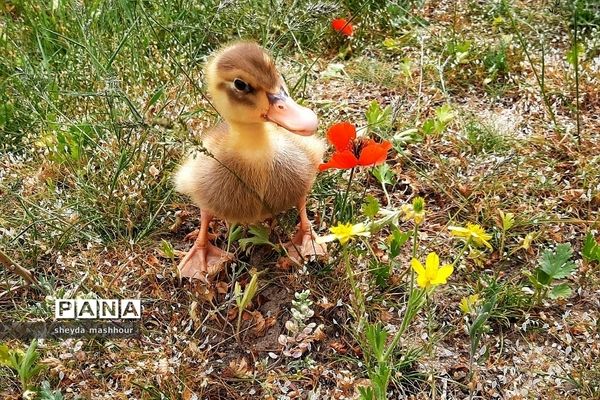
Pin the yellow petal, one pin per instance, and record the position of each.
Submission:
(417, 267)
(458, 231)
(442, 275)
(358, 228)
(422, 281)
(432, 263)
(464, 305)
(325, 239)
(344, 239)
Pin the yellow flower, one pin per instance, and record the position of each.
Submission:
(527, 241)
(414, 211)
(468, 303)
(431, 275)
(344, 232)
(473, 233)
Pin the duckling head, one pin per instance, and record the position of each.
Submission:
(246, 88)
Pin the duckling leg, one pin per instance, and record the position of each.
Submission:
(303, 243)
(204, 259)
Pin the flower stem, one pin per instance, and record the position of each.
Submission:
(413, 306)
(414, 255)
(343, 210)
(462, 252)
(359, 303)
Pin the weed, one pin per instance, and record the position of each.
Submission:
(552, 266)
(24, 363)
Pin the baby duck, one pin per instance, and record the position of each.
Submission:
(263, 159)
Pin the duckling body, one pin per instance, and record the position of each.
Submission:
(262, 159)
(247, 184)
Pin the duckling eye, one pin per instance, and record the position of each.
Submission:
(242, 86)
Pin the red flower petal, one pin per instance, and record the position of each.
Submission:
(340, 160)
(347, 30)
(343, 26)
(341, 135)
(374, 153)
(338, 23)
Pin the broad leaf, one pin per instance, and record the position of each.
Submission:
(378, 118)
(444, 114)
(384, 174)
(381, 272)
(46, 393)
(561, 291)
(558, 264)
(370, 207)
(260, 235)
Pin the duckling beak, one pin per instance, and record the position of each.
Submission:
(288, 114)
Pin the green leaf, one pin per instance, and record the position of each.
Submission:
(378, 118)
(508, 220)
(591, 248)
(46, 393)
(236, 233)
(381, 271)
(444, 114)
(260, 235)
(366, 393)
(575, 53)
(541, 278)
(561, 291)
(28, 368)
(384, 174)
(155, 97)
(370, 207)
(380, 379)
(376, 337)
(558, 264)
(244, 299)
(5, 355)
(428, 127)
(397, 240)
(167, 249)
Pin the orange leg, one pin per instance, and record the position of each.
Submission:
(303, 243)
(204, 259)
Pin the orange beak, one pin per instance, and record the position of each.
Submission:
(288, 114)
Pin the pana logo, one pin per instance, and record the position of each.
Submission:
(97, 309)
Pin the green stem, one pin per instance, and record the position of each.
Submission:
(502, 241)
(576, 49)
(343, 210)
(462, 252)
(387, 195)
(413, 306)
(414, 255)
(359, 303)
(540, 81)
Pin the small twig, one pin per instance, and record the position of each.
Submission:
(12, 266)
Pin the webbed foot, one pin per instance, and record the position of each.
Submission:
(304, 247)
(203, 262)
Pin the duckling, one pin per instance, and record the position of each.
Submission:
(263, 159)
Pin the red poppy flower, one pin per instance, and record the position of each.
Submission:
(351, 151)
(342, 26)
